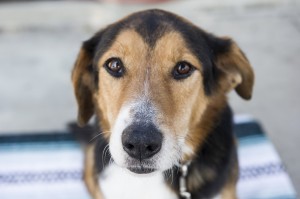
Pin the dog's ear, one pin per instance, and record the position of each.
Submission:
(234, 69)
(83, 80)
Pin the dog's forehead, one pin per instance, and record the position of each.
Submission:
(151, 25)
(129, 43)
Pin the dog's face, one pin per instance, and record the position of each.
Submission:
(150, 78)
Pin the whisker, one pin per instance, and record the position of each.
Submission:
(171, 175)
(177, 170)
(96, 136)
(165, 175)
(111, 161)
(168, 174)
(103, 152)
(180, 136)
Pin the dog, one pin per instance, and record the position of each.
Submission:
(157, 84)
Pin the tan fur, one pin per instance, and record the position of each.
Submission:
(177, 110)
(229, 190)
(198, 179)
(237, 71)
(90, 176)
(83, 87)
(200, 131)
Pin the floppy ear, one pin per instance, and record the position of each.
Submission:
(83, 82)
(235, 71)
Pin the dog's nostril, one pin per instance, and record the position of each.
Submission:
(152, 148)
(129, 146)
(149, 148)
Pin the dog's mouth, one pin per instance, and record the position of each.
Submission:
(140, 169)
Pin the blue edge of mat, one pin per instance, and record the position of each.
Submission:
(241, 130)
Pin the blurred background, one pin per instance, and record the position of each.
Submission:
(39, 41)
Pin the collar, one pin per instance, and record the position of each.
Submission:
(184, 169)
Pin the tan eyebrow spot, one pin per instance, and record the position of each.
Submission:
(172, 46)
(128, 45)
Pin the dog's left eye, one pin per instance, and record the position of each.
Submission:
(115, 67)
(182, 70)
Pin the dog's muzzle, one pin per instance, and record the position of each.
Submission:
(141, 142)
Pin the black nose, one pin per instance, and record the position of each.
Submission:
(141, 141)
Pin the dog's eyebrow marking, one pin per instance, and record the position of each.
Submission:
(128, 46)
(120, 45)
(117, 49)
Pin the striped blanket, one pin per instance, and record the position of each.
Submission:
(49, 165)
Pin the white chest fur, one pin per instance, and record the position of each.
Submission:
(119, 183)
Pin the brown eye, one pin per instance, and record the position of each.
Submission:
(182, 70)
(114, 66)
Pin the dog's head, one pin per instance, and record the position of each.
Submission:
(150, 78)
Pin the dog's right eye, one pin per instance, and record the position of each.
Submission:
(115, 67)
(182, 70)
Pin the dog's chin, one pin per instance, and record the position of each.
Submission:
(141, 170)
